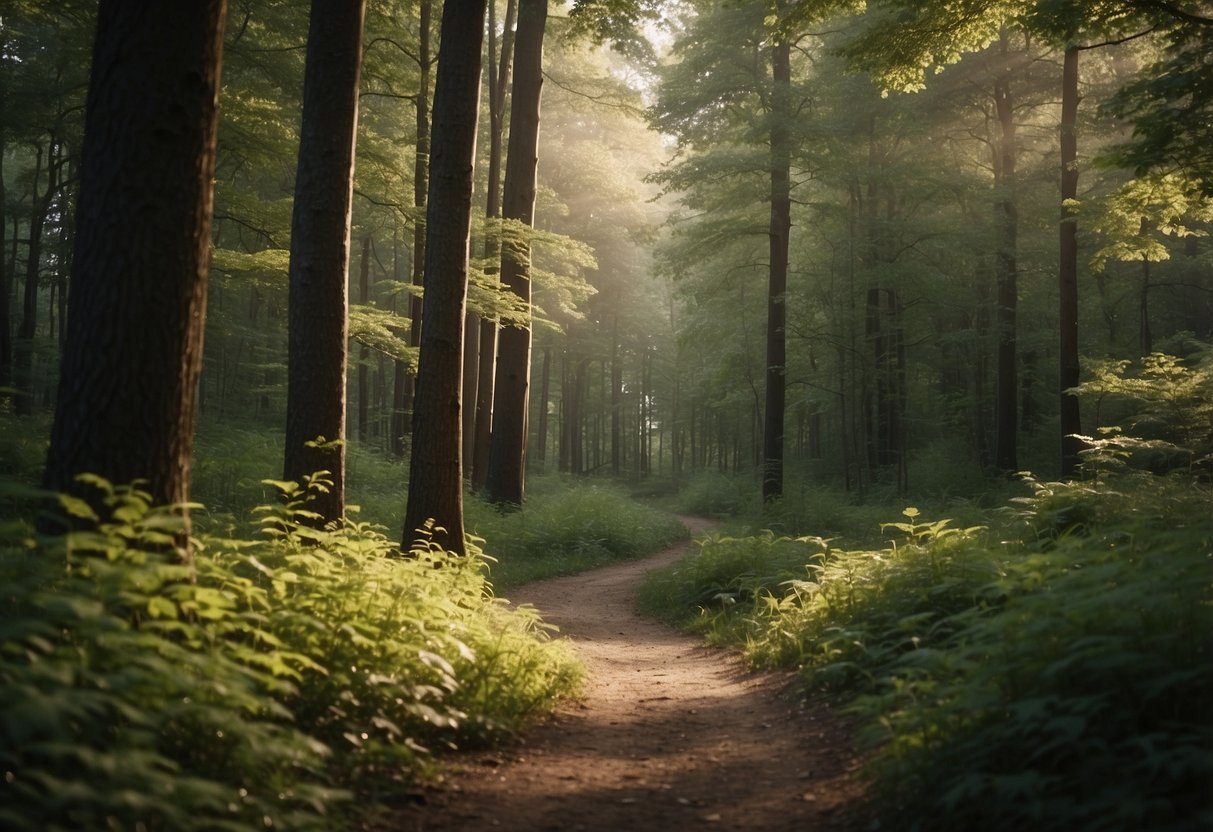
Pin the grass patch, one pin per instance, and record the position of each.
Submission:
(567, 526)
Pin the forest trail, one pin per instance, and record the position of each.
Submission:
(669, 735)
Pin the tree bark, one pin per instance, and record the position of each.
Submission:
(1068, 268)
(318, 327)
(506, 481)
(781, 224)
(364, 297)
(421, 163)
(486, 367)
(436, 465)
(129, 377)
(545, 376)
(40, 208)
(6, 335)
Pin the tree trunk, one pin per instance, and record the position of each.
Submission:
(1006, 221)
(436, 466)
(364, 297)
(616, 403)
(545, 375)
(1145, 338)
(1068, 267)
(421, 162)
(6, 335)
(129, 378)
(40, 208)
(506, 481)
(499, 75)
(318, 328)
(781, 224)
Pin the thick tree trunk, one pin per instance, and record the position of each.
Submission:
(129, 378)
(436, 467)
(318, 328)
(781, 224)
(1068, 267)
(1006, 222)
(506, 481)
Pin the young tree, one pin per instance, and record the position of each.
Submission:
(435, 469)
(125, 408)
(506, 482)
(320, 252)
(777, 286)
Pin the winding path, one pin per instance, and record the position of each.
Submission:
(669, 736)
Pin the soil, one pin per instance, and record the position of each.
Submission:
(669, 735)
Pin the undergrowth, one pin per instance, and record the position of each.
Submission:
(1050, 671)
(288, 680)
(567, 527)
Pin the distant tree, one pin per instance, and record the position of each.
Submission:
(126, 402)
(506, 482)
(320, 251)
(436, 465)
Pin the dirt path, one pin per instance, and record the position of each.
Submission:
(670, 735)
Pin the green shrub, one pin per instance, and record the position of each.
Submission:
(265, 683)
(1082, 702)
(567, 526)
(1053, 674)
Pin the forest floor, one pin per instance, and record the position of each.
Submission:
(668, 735)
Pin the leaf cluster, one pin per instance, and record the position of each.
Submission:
(265, 683)
(1054, 675)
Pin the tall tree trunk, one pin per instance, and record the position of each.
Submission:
(506, 482)
(616, 403)
(1068, 267)
(436, 465)
(318, 327)
(545, 375)
(398, 426)
(1006, 221)
(364, 297)
(6, 335)
(1145, 338)
(129, 378)
(781, 224)
(40, 207)
(421, 163)
(486, 368)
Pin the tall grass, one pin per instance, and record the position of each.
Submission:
(567, 526)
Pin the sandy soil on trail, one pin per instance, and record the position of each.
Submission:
(669, 736)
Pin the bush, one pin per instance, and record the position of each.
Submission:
(1082, 702)
(567, 527)
(1055, 675)
(264, 684)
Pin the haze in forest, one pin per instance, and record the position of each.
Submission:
(323, 324)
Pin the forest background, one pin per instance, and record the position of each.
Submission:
(793, 262)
